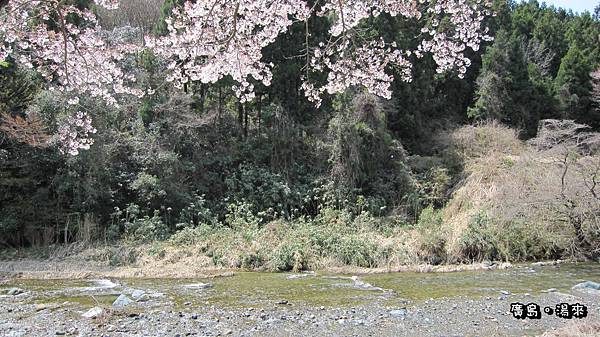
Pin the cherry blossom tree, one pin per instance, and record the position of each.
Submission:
(75, 133)
(41, 35)
(209, 40)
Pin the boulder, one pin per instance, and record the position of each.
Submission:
(139, 295)
(14, 291)
(587, 285)
(122, 301)
(93, 312)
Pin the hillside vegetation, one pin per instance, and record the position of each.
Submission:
(514, 201)
(499, 164)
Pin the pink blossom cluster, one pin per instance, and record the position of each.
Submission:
(365, 63)
(448, 46)
(364, 66)
(209, 40)
(38, 35)
(349, 13)
(75, 134)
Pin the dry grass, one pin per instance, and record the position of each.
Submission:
(486, 149)
(523, 191)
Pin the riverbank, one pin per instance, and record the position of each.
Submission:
(44, 269)
(469, 303)
(79, 262)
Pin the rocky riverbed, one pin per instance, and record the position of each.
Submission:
(304, 304)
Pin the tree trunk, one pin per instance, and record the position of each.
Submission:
(259, 112)
(220, 103)
(241, 118)
(245, 121)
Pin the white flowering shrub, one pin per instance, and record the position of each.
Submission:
(75, 134)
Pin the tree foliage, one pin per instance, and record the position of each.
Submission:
(154, 159)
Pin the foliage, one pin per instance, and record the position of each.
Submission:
(289, 256)
(432, 234)
(477, 241)
(277, 182)
(262, 189)
(143, 229)
(197, 213)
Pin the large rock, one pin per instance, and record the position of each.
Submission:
(398, 313)
(93, 312)
(139, 295)
(586, 286)
(14, 291)
(122, 301)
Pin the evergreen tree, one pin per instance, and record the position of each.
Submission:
(17, 89)
(165, 11)
(573, 87)
(504, 90)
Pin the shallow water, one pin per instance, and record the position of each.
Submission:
(250, 289)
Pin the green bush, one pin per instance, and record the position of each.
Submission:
(433, 238)
(148, 188)
(356, 251)
(519, 241)
(321, 239)
(333, 217)
(477, 242)
(241, 215)
(157, 250)
(289, 256)
(267, 192)
(509, 241)
(146, 229)
(252, 260)
(216, 257)
(197, 212)
(191, 236)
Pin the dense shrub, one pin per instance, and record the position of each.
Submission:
(477, 242)
(290, 256)
(355, 251)
(267, 192)
(145, 229)
(242, 215)
(189, 236)
(197, 213)
(432, 236)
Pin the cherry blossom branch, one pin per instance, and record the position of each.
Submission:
(209, 40)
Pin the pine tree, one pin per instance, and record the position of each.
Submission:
(573, 86)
